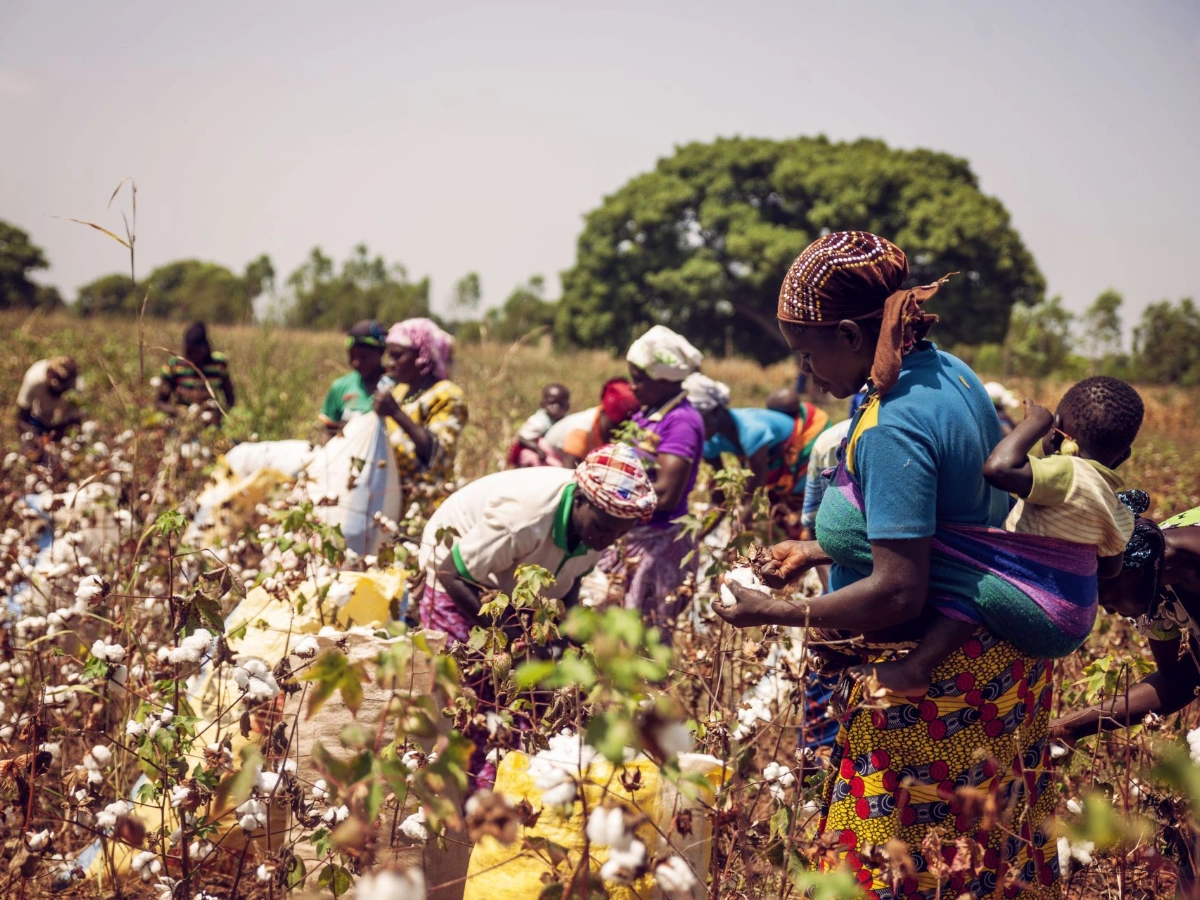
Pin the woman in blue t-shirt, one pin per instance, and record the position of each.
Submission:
(911, 478)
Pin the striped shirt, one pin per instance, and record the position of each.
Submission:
(188, 386)
(1074, 500)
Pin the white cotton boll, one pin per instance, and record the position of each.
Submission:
(675, 877)
(37, 840)
(414, 828)
(255, 680)
(101, 754)
(339, 593)
(134, 729)
(141, 864)
(179, 795)
(336, 814)
(200, 850)
(1082, 853)
(743, 575)
(1074, 807)
(262, 873)
(166, 715)
(192, 648)
(252, 815)
(54, 749)
(554, 769)
(495, 755)
(267, 782)
(106, 819)
(320, 790)
(113, 653)
(624, 863)
(391, 885)
(307, 648)
(1193, 740)
(1058, 750)
(606, 826)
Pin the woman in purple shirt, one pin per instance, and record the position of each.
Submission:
(651, 562)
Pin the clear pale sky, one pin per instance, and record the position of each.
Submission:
(474, 136)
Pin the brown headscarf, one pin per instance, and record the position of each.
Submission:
(857, 275)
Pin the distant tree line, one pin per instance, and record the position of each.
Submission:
(701, 243)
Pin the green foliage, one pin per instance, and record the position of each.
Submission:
(365, 288)
(468, 291)
(526, 313)
(183, 290)
(333, 672)
(1166, 344)
(1039, 339)
(702, 243)
(18, 257)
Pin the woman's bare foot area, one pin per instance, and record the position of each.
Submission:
(899, 677)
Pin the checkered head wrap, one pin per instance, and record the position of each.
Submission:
(858, 275)
(612, 478)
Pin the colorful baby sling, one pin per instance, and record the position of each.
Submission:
(1037, 593)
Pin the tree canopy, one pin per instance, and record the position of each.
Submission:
(19, 256)
(702, 242)
(184, 289)
(365, 288)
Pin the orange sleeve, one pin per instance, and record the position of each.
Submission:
(576, 443)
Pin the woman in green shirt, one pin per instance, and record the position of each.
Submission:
(351, 394)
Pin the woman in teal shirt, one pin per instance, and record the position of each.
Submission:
(913, 466)
(773, 445)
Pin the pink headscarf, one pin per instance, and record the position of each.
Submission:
(435, 348)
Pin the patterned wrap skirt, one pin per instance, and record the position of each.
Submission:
(896, 773)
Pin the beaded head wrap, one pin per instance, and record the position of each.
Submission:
(858, 275)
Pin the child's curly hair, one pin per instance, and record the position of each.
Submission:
(1106, 413)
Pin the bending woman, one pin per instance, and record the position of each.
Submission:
(774, 446)
(914, 462)
(1159, 587)
(425, 412)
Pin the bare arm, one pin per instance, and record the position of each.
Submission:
(894, 593)
(1008, 467)
(465, 594)
(1168, 690)
(671, 480)
(386, 405)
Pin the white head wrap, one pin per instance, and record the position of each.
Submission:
(664, 355)
(1001, 396)
(704, 393)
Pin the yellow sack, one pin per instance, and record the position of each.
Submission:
(272, 627)
(226, 506)
(499, 872)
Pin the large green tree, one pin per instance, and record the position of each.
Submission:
(19, 256)
(702, 242)
(365, 288)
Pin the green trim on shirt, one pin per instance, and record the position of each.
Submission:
(460, 566)
(562, 523)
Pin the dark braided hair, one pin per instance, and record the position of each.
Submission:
(1106, 413)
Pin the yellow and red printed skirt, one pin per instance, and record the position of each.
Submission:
(895, 773)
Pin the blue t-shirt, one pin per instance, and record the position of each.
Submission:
(756, 428)
(918, 454)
